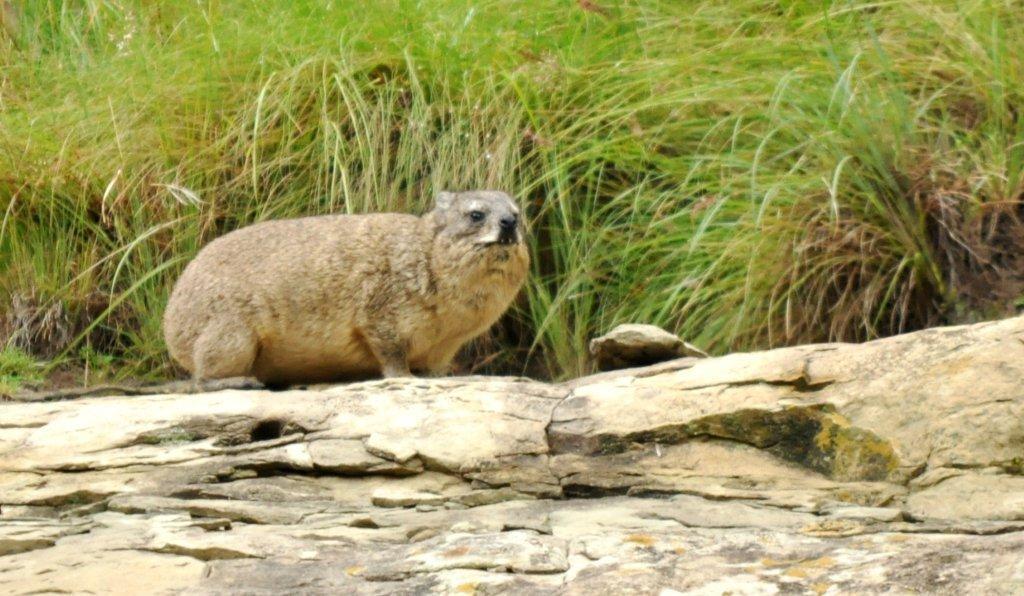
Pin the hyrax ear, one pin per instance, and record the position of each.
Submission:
(444, 200)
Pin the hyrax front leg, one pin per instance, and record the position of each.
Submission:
(438, 362)
(390, 351)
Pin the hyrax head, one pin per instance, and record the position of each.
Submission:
(480, 217)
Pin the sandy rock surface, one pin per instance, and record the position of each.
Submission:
(892, 466)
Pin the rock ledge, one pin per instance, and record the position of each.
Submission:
(888, 466)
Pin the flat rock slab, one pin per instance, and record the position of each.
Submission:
(887, 467)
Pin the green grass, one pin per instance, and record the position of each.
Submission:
(746, 173)
(17, 369)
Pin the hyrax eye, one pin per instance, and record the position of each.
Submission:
(476, 216)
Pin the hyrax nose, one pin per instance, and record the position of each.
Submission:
(508, 222)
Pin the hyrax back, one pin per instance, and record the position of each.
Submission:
(348, 296)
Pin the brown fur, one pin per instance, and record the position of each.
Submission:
(8, 18)
(346, 296)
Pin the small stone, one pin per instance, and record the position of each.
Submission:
(628, 346)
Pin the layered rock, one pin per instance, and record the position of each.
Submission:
(892, 465)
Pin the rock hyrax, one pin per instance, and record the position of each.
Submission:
(348, 296)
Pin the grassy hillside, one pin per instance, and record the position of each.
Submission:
(747, 173)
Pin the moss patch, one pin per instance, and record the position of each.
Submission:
(813, 436)
(164, 436)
